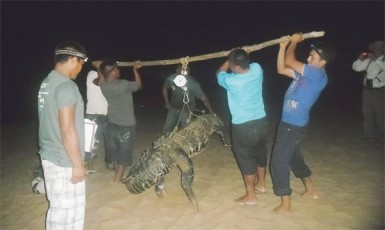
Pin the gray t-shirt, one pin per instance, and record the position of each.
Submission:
(120, 103)
(58, 91)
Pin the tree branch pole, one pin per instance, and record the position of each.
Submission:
(218, 54)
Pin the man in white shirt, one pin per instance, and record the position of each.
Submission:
(96, 110)
(373, 64)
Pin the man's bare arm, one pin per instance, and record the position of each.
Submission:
(71, 142)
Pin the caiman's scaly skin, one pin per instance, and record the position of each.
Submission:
(176, 149)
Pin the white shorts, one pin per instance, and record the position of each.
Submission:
(67, 201)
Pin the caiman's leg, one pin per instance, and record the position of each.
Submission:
(159, 187)
(185, 165)
(220, 133)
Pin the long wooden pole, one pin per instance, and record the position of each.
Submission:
(252, 48)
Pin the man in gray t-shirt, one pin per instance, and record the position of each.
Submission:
(121, 125)
(61, 139)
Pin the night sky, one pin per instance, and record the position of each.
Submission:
(148, 31)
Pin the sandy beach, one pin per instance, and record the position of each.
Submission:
(347, 171)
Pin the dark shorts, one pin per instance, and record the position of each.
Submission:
(249, 145)
(121, 141)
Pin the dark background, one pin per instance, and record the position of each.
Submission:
(147, 31)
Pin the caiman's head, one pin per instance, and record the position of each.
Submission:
(216, 124)
(214, 121)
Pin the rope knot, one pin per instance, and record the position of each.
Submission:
(184, 61)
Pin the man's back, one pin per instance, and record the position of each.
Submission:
(244, 93)
(120, 102)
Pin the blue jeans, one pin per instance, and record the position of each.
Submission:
(249, 145)
(286, 156)
(121, 141)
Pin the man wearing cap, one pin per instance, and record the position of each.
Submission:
(61, 139)
(308, 82)
(121, 125)
(373, 64)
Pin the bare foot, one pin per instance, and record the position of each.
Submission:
(246, 201)
(119, 182)
(312, 194)
(284, 207)
(309, 188)
(282, 210)
(260, 190)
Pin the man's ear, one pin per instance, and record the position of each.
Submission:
(323, 63)
(238, 69)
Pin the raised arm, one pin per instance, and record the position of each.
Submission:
(281, 67)
(138, 79)
(224, 67)
(100, 77)
(290, 60)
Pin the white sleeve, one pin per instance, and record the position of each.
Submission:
(360, 65)
(91, 76)
(381, 63)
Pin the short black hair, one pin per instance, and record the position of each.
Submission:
(326, 51)
(239, 57)
(73, 49)
(107, 66)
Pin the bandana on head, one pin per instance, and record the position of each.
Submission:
(72, 52)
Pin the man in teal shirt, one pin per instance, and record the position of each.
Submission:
(248, 131)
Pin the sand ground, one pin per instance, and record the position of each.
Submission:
(347, 171)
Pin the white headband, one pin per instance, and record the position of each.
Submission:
(73, 53)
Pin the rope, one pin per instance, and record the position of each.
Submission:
(184, 61)
(175, 129)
